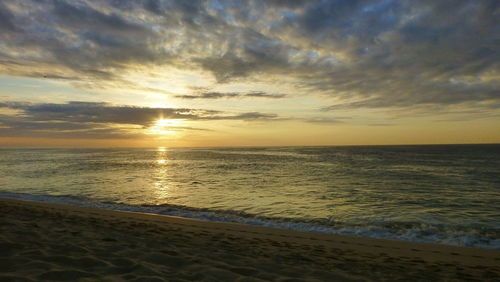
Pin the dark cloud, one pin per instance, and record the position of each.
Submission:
(253, 116)
(74, 119)
(76, 38)
(80, 15)
(259, 94)
(432, 53)
(154, 6)
(26, 126)
(384, 53)
(286, 3)
(219, 95)
(251, 53)
(228, 67)
(6, 19)
(209, 95)
(94, 112)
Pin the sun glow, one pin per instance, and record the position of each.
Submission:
(164, 126)
(167, 122)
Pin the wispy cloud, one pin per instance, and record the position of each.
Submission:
(219, 95)
(326, 121)
(209, 95)
(265, 95)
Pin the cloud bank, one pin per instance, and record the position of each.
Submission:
(365, 53)
(102, 120)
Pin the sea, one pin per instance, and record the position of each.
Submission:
(445, 194)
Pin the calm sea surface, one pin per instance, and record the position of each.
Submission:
(446, 194)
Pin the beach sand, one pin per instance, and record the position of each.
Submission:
(41, 241)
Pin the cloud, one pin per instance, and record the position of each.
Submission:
(259, 94)
(80, 14)
(219, 95)
(6, 19)
(253, 116)
(209, 95)
(371, 54)
(78, 39)
(98, 112)
(286, 3)
(228, 67)
(401, 54)
(25, 127)
(324, 120)
(102, 120)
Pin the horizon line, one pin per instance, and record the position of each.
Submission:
(244, 146)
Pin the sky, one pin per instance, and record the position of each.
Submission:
(130, 73)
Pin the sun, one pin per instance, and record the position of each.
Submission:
(164, 126)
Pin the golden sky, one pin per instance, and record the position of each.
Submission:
(248, 73)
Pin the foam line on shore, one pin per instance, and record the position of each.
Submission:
(401, 231)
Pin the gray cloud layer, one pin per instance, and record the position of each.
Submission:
(382, 53)
(100, 120)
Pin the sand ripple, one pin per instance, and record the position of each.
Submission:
(58, 243)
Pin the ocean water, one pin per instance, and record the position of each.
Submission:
(447, 194)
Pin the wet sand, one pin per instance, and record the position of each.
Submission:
(41, 241)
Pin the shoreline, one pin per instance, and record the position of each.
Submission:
(211, 250)
(227, 216)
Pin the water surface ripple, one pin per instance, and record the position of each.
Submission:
(446, 194)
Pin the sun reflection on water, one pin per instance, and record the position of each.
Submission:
(161, 185)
